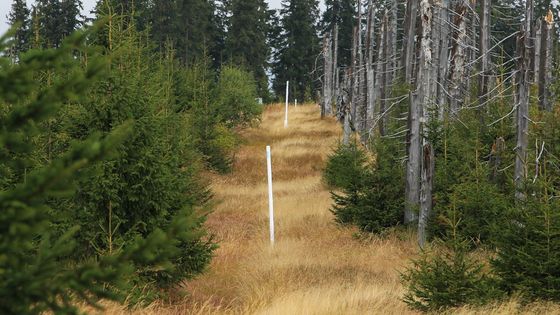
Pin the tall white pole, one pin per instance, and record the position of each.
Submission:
(295, 103)
(287, 95)
(270, 201)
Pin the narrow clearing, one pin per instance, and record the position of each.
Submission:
(315, 267)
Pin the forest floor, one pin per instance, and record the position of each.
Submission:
(315, 266)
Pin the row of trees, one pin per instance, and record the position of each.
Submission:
(450, 97)
(273, 45)
(105, 138)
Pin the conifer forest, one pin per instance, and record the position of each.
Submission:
(415, 154)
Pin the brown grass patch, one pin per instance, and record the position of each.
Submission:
(315, 267)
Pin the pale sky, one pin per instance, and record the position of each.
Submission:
(5, 6)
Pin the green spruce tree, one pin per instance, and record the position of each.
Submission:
(19, 18)
(246, 40)
(297, 49)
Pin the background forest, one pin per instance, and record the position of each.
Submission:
(111, 124)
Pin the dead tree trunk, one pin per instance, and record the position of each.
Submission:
(412, 188)
(458, 58)
(443, 58)
(523, 64)
(408, 44)
(545, 71)
(354, 78)
(336, 77)
(485, 72)
(424, 86)
(394, 64)
(361, 122)
(345, 106)
(327, 77)
(370, 94)
(539, 37)
(381, 72)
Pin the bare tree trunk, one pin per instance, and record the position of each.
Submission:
(458, 58)
(424, 86)
(327, 77)
(539, 37)
(361, 121)
(345, 106)
(408, 44)
(354, 78)
(335, 79)
(412, 188)
(523, 51)
(443, 58)
(370, 94)
(394, 65)
(545, 64)
(484, 79)
(381, 72)
(548, 97)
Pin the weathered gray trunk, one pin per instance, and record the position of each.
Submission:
(539, 33)
(545, 76)
(327, 76)
(485, 71)
(370, 35)
(336, 77)
(409, 44)
(425, 72)
(354, 78)
(345, 92)
(361, 122)
(380, 77)
(523, 66)
(458, 58)
(412, 188)
(548, 96)
(394, 64)
(443, 58)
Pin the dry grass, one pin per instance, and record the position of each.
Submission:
(315, 267)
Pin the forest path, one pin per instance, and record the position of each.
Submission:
(315, 266)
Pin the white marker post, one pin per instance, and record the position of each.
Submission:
(287, 95)
(295, 104)
(270, 201)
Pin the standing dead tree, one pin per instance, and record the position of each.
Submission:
(457, 71)
(545, 67)
(424, 87)
(326, 108)
(522, 121)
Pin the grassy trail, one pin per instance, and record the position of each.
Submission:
(315, 267)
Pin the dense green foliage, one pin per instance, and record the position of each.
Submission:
(37, 272)
(447, 277)
(370, 195)
(102, 166)
(340, 13)
(296, 49)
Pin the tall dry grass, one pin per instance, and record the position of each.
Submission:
(315, 267)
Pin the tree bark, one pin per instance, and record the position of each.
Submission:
(409, 44)
(380, 78)
(485, 72)
(545, 63)
(443, 67)
(336, 77)
(370, 94)
(426, 107)
(458, 58)
(327, 76)
(523, 66)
